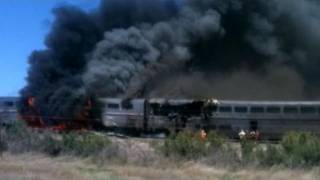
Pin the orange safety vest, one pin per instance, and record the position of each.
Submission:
(203, 135)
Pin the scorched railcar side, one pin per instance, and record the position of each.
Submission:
(271, 118)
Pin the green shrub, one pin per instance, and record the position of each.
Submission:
(301, 148)
(50, 145)
(17, 131)
(79, 144)
(296, 149)
(19, 138)
(189, 145)
(216, 140)
(84, 144)
(270, 155)
(248, 150)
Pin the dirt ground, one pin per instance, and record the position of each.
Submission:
(39, 167)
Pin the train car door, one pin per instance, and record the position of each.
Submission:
(146, 110)
(253, 125)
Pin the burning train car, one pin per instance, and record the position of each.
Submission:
(80, 116)
(271, 118)
(191, 48)
(151, 115)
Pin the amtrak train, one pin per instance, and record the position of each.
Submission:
(271, 118)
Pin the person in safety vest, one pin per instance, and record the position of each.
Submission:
(203, 134)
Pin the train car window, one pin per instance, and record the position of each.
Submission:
(211, 126)
(273, 109)
(241, 109)
(253, 125)
(8, 103)
(113, 106)
(213, 108)
(290, 110)
(155, 109)
(257, 109)
(225, 127)
(127, 105)
(225, 109)
(308, 110)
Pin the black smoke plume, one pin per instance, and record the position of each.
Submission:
(235, 49)
(55, 77)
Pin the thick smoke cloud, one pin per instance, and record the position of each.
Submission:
(125, 53)
(241, 84)
(218, 39)
(55, 77)
(233, 49)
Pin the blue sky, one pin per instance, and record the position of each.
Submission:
(23, 26)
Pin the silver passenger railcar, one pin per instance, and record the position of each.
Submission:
(150, 114)
(271, 118)
(8, 110)
(121, 114)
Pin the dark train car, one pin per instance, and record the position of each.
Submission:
(8, 110)
(174, 114)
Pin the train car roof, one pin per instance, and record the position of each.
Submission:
(217, 101)
(117, 100)
(3, 98)
(280, 103)
(172, 101)
(8, 99)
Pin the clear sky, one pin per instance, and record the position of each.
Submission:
(23, 26)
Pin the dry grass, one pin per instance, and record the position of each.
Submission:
(29, 166)
(34, 167)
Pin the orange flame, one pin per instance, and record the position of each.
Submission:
(59, 128)
(31, 101)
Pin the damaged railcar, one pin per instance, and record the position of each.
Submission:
(128, 115)
(175, 115)
(271, 119)
(152, 115)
